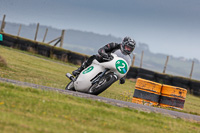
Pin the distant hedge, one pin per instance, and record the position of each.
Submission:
(193, 86)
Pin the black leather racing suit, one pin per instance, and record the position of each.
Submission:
(104, 53)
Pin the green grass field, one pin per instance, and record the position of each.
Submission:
(30, 110)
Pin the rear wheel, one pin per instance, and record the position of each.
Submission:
(106, 81)
(70, 86)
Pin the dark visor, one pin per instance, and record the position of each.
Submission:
(128, 48)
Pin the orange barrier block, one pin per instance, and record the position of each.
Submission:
(144, 102)
(152, 93)
(173, 91)
(146, 92)
(173, 97)
(148, 85)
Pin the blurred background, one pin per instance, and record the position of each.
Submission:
(160, 28)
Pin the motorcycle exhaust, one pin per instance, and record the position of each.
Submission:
(70, 76)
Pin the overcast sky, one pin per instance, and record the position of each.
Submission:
(167, 26)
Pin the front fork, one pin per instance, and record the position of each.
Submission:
(70, 77)
(100, 76)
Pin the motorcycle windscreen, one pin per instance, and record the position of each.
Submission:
(125, 57)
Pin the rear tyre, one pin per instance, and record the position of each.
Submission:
(106, 81)
(70, 86)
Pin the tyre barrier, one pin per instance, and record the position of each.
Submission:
(195, 88)
(154, 94)
(147, 92)
(180, 82)
(163, 78)
(146, 74)
(42, 49)
(173, 97)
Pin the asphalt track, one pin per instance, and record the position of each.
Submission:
(109, 101)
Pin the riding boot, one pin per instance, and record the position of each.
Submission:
(84, 65)
(78, 71)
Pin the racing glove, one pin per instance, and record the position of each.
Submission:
(104, 55)
(107, 56)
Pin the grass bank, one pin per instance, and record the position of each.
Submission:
(31, 110)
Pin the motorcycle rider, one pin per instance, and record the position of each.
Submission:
(127, 46)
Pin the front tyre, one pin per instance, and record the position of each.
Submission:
(106, 81)
(70, 86)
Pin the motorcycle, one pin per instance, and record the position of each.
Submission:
(97, 77)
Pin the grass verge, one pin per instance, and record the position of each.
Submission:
(31, 110)
(2, 62)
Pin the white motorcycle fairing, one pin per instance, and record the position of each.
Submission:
(117, 65)
(83, 82)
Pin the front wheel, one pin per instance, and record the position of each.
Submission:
(70, 86)
(106, 81)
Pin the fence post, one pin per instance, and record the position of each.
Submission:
(3, 24)
(133, 61)
(141, 59)
(45, 35)
(19, 30)
(58, 38)
(192, 69)
(62, 38)
(165, 64)
(36, 31)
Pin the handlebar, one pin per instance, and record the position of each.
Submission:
(109, 58)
